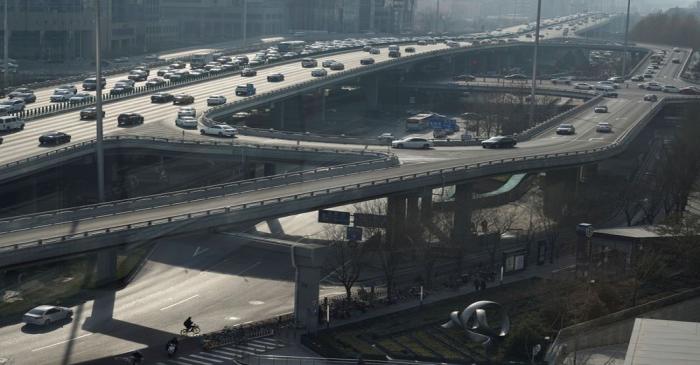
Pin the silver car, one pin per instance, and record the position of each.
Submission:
(46, 314)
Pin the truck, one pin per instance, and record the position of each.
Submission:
(245, 90)
(435, 121)
(199, 60)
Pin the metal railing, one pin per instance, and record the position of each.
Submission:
(455, 173)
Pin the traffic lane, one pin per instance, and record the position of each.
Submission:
(26, 142)
(213, 278)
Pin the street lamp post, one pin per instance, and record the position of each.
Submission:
(99, 148)
(245, 21)
(624, 52)
(6, 40)
(534, 63)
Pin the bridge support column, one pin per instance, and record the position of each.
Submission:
(413, 215)
(426, 204)
(278, 115)
(559, 192)
(307, 261)
(322, 112)
(462, 221)
(269, 169)
(370, 84)
(396, 218)
(105, 267)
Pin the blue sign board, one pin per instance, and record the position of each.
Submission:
(334, 217)
(369, 220)
(354, 234)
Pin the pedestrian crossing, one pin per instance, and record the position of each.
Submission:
(227, 354)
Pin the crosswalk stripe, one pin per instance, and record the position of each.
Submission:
(219, 356)
(180, 362)
(195, 361)
(225, 352)
(205, 358)
(258, 345)
(271, 341)
(249, 348)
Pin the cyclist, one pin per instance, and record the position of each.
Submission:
(188, 324)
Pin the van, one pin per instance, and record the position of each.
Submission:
(91, 83)
(11, 122)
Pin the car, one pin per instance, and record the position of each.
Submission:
(68, 87)
(670, 89)
(129, 82)
(412, 142)
(187, 111)
(249, 72)
(439, 133)
(309, 63)
(242, 60)
(221, 130)
(120, 89)
(216, 100)
(245, 90)
(675, 60)
(91, 83)
(653, 86)
(616, 79)
(690, 90)
(637, 78)
(394, 54)
(648, 76)
(60, 96)
(566, 129)
(516, 77)
(327, 63)
(90, 113)
(162, 98)
(410, 50)
(600, 109)
(183, 99)
(155, 82)
(186, 122)
(319, 72)
(603, 127)
(178, 65)
(604, 87)
(163, 71)
(499, 142)
(386, 138)
(676, 49)
(337, 66)
(278, 77)
(651, 97)
(374, 51)
(46, 314)
(54, 138)
(583, 86)
(561, 80)
(129, 119)
(138, 75)
(609, 83)
(464, 78)
(367, 61)
(11, 106)
(11, 123)
(23, 93)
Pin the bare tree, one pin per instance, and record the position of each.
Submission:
(347, 257)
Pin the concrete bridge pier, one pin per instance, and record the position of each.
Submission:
(396, 218)
(426, 204)
(322, 108)
(560, 191)
(462, 220)
(278, 115)
(370, 85)
(307, 260)
(105, 267)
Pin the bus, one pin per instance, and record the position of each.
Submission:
(291, 46)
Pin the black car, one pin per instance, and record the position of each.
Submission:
(90, 113)
(248, 72)
(367, 61)
(275, 77)
(464, 78)
(499, 142)
(183, 99)
(155, 82)
(410, 50)
(120, 90)
(54, 138)
(516, 77)
(162, 98)
(129, 119)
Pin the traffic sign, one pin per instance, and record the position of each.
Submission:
(585, 229)
(334, 217)
(369, 220)
(354, 234)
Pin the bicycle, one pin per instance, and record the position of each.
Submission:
(194, 329)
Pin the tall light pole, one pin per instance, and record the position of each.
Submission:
(437, 15)
(5, 49)
(99, 148)
(245, 21)
(534, 63)
(624, 52)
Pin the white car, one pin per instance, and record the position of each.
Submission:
(385, 137)
(412, 142)
(609, 83)
(80, 98)
(186, 122)
(187, 111)
(60, 95)
(566, 129)
(603, 127)
(221, 130)
(652, 86)
(216, 100)
(319, 72)
(600, 109)
(11, 105)
(46, 314)
(604, 87)
(671, 89)
(71, 88)
(583, 86)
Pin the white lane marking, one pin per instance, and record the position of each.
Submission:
(180, 302)
(62, 342)
(595, 139)
(256, 302)
(232, 318)
(205, 358)
(199, 251)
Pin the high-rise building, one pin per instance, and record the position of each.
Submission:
(351, 16)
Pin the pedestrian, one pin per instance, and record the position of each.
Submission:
(476, 284)
(483, 284)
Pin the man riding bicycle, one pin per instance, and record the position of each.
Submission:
(188, 324)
